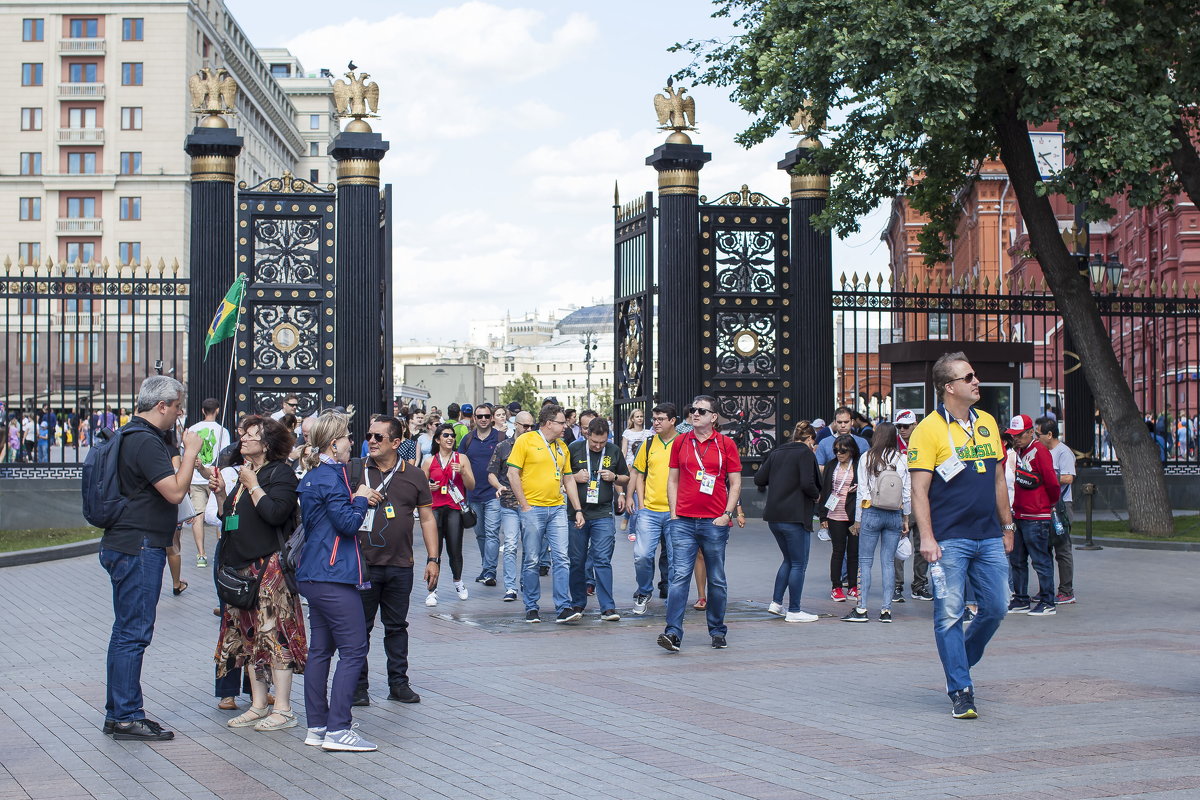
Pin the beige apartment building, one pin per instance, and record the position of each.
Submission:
(95, 108)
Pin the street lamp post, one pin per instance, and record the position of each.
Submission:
(589, 346)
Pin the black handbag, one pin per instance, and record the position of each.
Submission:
(468, 516)
(238, 587)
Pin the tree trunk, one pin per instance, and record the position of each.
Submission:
(1141, 470)
(1185, 161)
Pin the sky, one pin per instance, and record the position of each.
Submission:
(509, 123)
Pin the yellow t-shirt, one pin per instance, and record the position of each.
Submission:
(965, 507)
(653, 460)
(541, 468)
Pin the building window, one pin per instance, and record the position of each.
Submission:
(314, 122)
(129, 253)
(33, 30)
(31, 74)
(29, 253)
(131, 73)
(81, 73)
(81, 118)
(131, 118)
(129, 306)
(81, 208)
(131, 208)
(85, 28)
(29, 343)
(281, 70)
(131, 29)
(129, 347)
(131, 163)
(31, 119)
(81, 163)
(314, 148)
(314, 175)
(79, 348)
(31, 209)
(31, 163)
(83, 252)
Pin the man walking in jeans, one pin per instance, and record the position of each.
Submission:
(960, 500)
(703, 488)
(1035, 493)
(651, 464)
(599, 468)
(133, 551)
(478, 447)
(510, 512)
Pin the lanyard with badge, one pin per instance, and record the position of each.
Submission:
(593, 485)
(232, 521)
(449, 487)
(707, 480)
(553, 451)
(836, 494)
(951, 467)
(388, 511)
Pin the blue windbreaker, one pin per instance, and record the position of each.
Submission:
(331, 521)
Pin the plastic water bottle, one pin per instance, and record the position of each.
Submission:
(1058, 526)
(937, 576)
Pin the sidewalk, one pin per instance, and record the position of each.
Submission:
(1098, 701)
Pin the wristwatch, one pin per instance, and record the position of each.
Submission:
(1012, 526)
(432, 560)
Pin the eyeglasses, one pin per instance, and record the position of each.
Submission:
(483, 416)
(375, 437)
(246, 438)
(559, 421)
(661, 420)
(970, 376)
(701, 411)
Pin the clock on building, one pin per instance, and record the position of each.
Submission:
(1047, 152)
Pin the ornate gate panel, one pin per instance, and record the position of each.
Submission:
(747, 327)
(634, 319)
(285, 340)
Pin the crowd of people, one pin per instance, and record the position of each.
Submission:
(971, 505)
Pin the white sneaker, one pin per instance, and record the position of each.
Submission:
(431, 599)
(823, 534)
(461, 589)
(776, 609)
(315, 737)
(639, 603)
(800, 616)
(347, 741)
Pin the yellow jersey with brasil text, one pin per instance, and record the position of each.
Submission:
(653, 460)
(965, 506)
(542, 468)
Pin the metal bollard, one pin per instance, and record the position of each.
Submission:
(1089, 493)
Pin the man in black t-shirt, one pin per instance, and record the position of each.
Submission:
(387, 547)
(599, 465)
(133, 551)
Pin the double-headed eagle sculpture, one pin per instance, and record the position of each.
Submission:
(675, 112)
(213, 91)
(353, 99)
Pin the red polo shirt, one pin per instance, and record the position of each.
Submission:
(718, 456)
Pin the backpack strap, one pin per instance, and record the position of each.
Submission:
(356, 473)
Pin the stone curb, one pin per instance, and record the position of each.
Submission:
(1142, 544)
(19, 558)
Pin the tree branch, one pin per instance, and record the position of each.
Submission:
(1186, 161)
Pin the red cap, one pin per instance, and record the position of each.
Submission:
(1019, 424)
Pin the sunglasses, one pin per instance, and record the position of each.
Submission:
(447, 435)
(290, 405)
(905, 426)
(483, 416)
(841, 450)
(523, 425)
(375, 437)
(701, 411)
(970, 376)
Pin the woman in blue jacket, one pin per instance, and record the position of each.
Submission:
(328, 575)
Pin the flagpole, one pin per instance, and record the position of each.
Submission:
(227, 397)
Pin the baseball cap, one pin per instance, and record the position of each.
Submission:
(1019, 424)
(514, 407)
(819, 423)
(467, 408)
(906, 417)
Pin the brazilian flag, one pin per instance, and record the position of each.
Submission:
(224, 322)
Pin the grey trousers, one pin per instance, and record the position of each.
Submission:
(920, 570)
(1065, 559)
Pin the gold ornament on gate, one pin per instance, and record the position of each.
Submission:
(214, 92)
(356, 99)
(675, 112)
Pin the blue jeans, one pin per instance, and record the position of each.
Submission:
(651, 526)
(337, 622)
(510, 534)
(136, 583)
(487, 532)
(545, 523)
(593, 543)
(688, 535)
(984, 563)
(875, 526)
(1032, 543)
(793, 539)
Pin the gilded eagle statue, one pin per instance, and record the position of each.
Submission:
(356, 99)
(213, 91)
(675, 112)
(805, 122)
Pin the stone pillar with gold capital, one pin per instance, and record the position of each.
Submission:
(811, 262)
(214, 148)
(363, 350)
(678, 163)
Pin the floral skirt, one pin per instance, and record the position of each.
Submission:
(268, 637)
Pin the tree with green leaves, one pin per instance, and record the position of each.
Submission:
(523, 390)
(932, 89)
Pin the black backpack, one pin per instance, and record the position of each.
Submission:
(103, 503)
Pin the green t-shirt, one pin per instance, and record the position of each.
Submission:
(611, 458)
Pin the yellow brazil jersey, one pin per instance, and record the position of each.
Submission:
(964, 507)
(653, 460)
(541, 468)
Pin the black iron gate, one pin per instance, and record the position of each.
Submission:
(635, 297)
(285, 340)
(747, 327)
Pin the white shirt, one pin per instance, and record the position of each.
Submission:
(215, 439)
(1064, 464)
(900, 463)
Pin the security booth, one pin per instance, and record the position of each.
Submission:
(998, 365)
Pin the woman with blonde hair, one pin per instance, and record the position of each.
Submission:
(330, 572)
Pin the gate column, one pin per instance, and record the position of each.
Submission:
(811, 260)
(214, 148)
(363, 352)
(678, 163)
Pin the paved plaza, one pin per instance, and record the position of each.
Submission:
(1099, 701)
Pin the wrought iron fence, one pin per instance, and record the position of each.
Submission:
(1155, 330)
(78, 340)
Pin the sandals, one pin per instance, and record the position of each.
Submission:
(701, 604)
(276, 721)
(178, 590)
(248, 718)
(228, 704)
